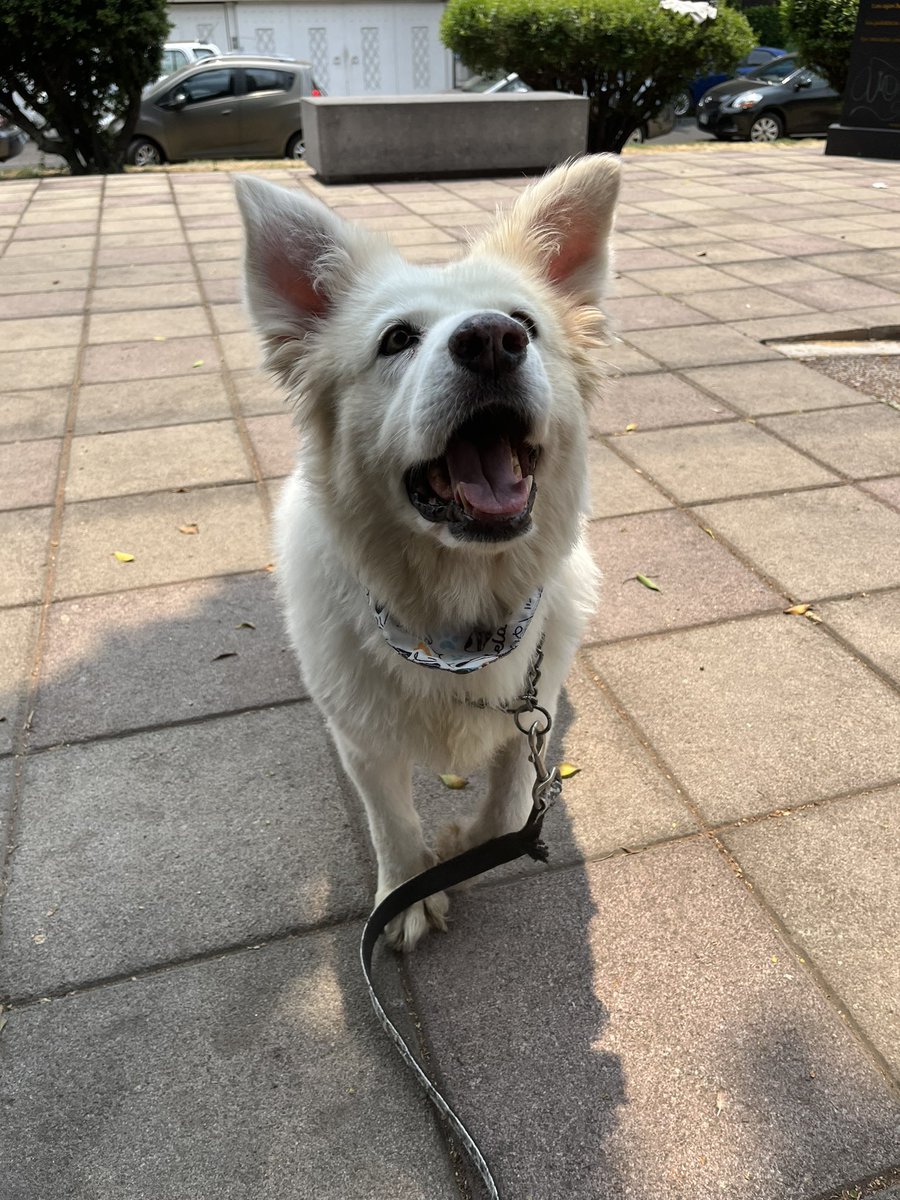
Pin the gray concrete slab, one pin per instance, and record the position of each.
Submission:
(832, 874)
(258, 1074)
(162, 655)
(18, 629)
(637, 1028)
(870, 624)
(169, 844)
(824, 542)
(757, 715)
(676, 554)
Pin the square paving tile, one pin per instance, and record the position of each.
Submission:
(695, 346)
(887, 490)
(145, 360)
(171, 843)
(699, 580)
(166, 654)
(617, 488)
(147, 324)
(870, 624)
(276, 442)
(838, 294)
(832, 874)
(697, 1061)
(745, 302)
(23, 536)
(229, 1078)
(28, 472)
(773, 387)
(653, 401)
(757, 715)
(18, 627)
(651, 312)
(142, 403)
(258, 394)
(39, 368)
(857, 441)
(233, 537)
(703, 462)
(120, 464)
(830, 541)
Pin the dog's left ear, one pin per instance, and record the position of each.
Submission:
(562, 224)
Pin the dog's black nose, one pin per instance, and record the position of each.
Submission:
(489, 343)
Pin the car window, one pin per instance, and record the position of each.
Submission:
(202, 52)
(777, 70)
(173, 60)
(756, 58)
(208, 85)
(261, 79)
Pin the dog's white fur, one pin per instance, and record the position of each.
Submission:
(322, 293)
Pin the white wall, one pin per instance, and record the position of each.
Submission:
(368, 47)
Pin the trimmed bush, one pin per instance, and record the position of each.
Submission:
(822, 31)
(71, 73)
(630, 57)
(765, 21)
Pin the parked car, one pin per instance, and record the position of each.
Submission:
(686, 101)
(783, 99)
(12, 139)
(178, 54)
(656, 126)
(235, 106)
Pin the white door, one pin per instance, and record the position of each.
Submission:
(202, 23)
(356, 49)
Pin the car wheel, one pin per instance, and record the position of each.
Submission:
(637, 137)
(144, 153)
(767, 127)
(682, 104)
(295, 147)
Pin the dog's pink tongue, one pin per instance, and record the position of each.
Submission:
(486, 478)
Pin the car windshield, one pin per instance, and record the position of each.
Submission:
(777, 70)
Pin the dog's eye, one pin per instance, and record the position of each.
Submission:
(524, 319)
(397, 339)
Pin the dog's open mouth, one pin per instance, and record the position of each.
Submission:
(482, 486)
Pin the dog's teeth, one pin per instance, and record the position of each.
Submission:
(516, 465)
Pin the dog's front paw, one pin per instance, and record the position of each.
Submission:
(404, 931)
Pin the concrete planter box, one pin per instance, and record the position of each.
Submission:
(392, 137)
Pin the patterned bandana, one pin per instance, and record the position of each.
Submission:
(460, 652)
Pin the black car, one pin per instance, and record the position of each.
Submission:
(783, 99)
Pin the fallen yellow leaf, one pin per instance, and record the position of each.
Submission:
(192, 528)
(798, 610)
(567, 770)
(630, 427)
(454, 781)
(199, 362)
(245, 625)
(814, 617)
(648, 583)
(121, 556)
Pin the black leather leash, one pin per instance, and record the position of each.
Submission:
(494, 853)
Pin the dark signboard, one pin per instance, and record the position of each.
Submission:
(870, 124)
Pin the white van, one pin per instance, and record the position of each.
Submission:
(179, 54)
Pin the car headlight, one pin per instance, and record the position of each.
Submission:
(744, 100)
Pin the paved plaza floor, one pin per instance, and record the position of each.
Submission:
(700, 997)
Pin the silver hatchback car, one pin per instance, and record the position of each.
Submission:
(234, 106)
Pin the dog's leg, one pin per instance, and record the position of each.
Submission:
(384, 784)
(507, 806)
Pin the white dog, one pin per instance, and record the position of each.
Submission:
(432, 530)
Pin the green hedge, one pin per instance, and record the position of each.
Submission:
(630, 57)
(765, 21)
(822, 31)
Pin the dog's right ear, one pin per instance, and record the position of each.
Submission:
(299, 257)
